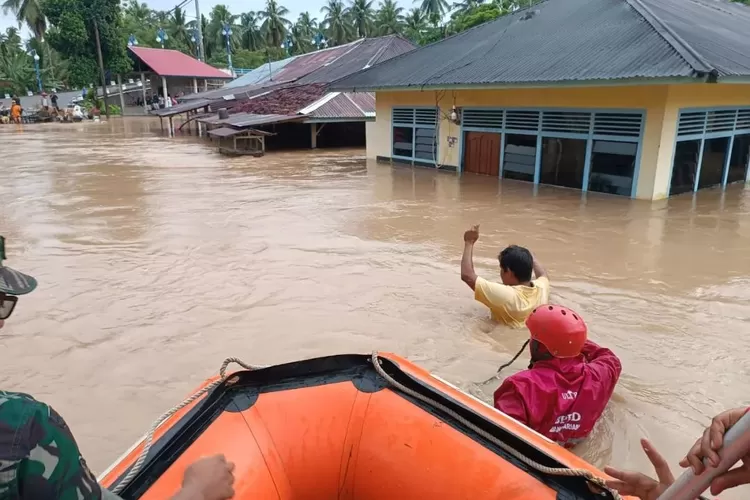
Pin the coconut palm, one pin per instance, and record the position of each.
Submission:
(415, 23)
(213, 32)
(464, 6)
(178, 29)
(303, 32)
(389, 18)
(138, 11)
(250, 33)
(275, 26)
(28, 12)
(336, 25)
(434, 8)
(361, 14)
(16, 67)
(10, 41)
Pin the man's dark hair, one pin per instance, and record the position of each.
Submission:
(518, 260)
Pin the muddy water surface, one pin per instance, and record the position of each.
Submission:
(157, 258)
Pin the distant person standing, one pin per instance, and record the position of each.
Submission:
(54, 101)
(15, 112)
(513, 300)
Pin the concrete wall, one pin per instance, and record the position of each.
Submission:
(660, 102)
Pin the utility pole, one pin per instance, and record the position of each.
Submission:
(101, 67)
(199, 22)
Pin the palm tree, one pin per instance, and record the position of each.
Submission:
(10, 41)
(389, 18)
(434, 8)
(336, 23)
(138, 11)
(414, 23)
(28, 12)
(250, 33)
(213, 32)
(16, 67)
(464, 6)
(178, 29)
(275, 26)
(361, 15)
(304, 32)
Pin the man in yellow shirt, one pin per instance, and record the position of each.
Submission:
(512, 301)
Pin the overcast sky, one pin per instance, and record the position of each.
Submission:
(235, 6)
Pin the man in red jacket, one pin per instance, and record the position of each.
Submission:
(569, 381)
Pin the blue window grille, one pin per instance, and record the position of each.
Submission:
(602, 130)
(414, 134)
(705, 137)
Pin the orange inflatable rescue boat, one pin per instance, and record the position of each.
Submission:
(351, 427)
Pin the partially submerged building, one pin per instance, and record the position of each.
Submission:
(640, 98)
(171, 73)
(300, 87)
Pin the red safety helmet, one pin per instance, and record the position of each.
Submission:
(561, 330)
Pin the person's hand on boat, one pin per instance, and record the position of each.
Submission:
(640, 485)
(472, 234)
(209, 478)
(707, 447)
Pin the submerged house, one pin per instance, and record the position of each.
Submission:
(639, 98)
(299, 88)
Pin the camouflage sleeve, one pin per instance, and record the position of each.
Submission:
(53, 467)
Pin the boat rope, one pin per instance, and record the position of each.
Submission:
(520, 351)
(136, 468)
(554, 471)
(506, 365)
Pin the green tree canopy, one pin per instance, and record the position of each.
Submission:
(72, 35)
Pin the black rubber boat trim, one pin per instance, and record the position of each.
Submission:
(358, 369)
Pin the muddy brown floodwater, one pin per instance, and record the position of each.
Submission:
(157, 258)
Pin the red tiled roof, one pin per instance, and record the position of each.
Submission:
(166, 62)
(284, 101)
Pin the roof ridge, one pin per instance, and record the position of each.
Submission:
(318, 103)
(454, 35)
(691, 56)
(346, 94)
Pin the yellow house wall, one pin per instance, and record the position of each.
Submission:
(661, 103)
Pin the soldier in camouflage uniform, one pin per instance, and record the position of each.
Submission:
(39, 457)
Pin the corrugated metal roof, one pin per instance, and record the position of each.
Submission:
(716, 30)
(361, 54)
(341, 105)
(364, 100)
(167, 62)
(183, 107)
(322, 66)
(577, 40)
(307, 63)
(225, 132)
(239, 93)
(260, 75)
(244, 120)
(229, 132)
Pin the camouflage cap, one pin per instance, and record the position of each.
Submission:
(13, 282)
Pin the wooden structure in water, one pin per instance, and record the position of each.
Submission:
(244, 142)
